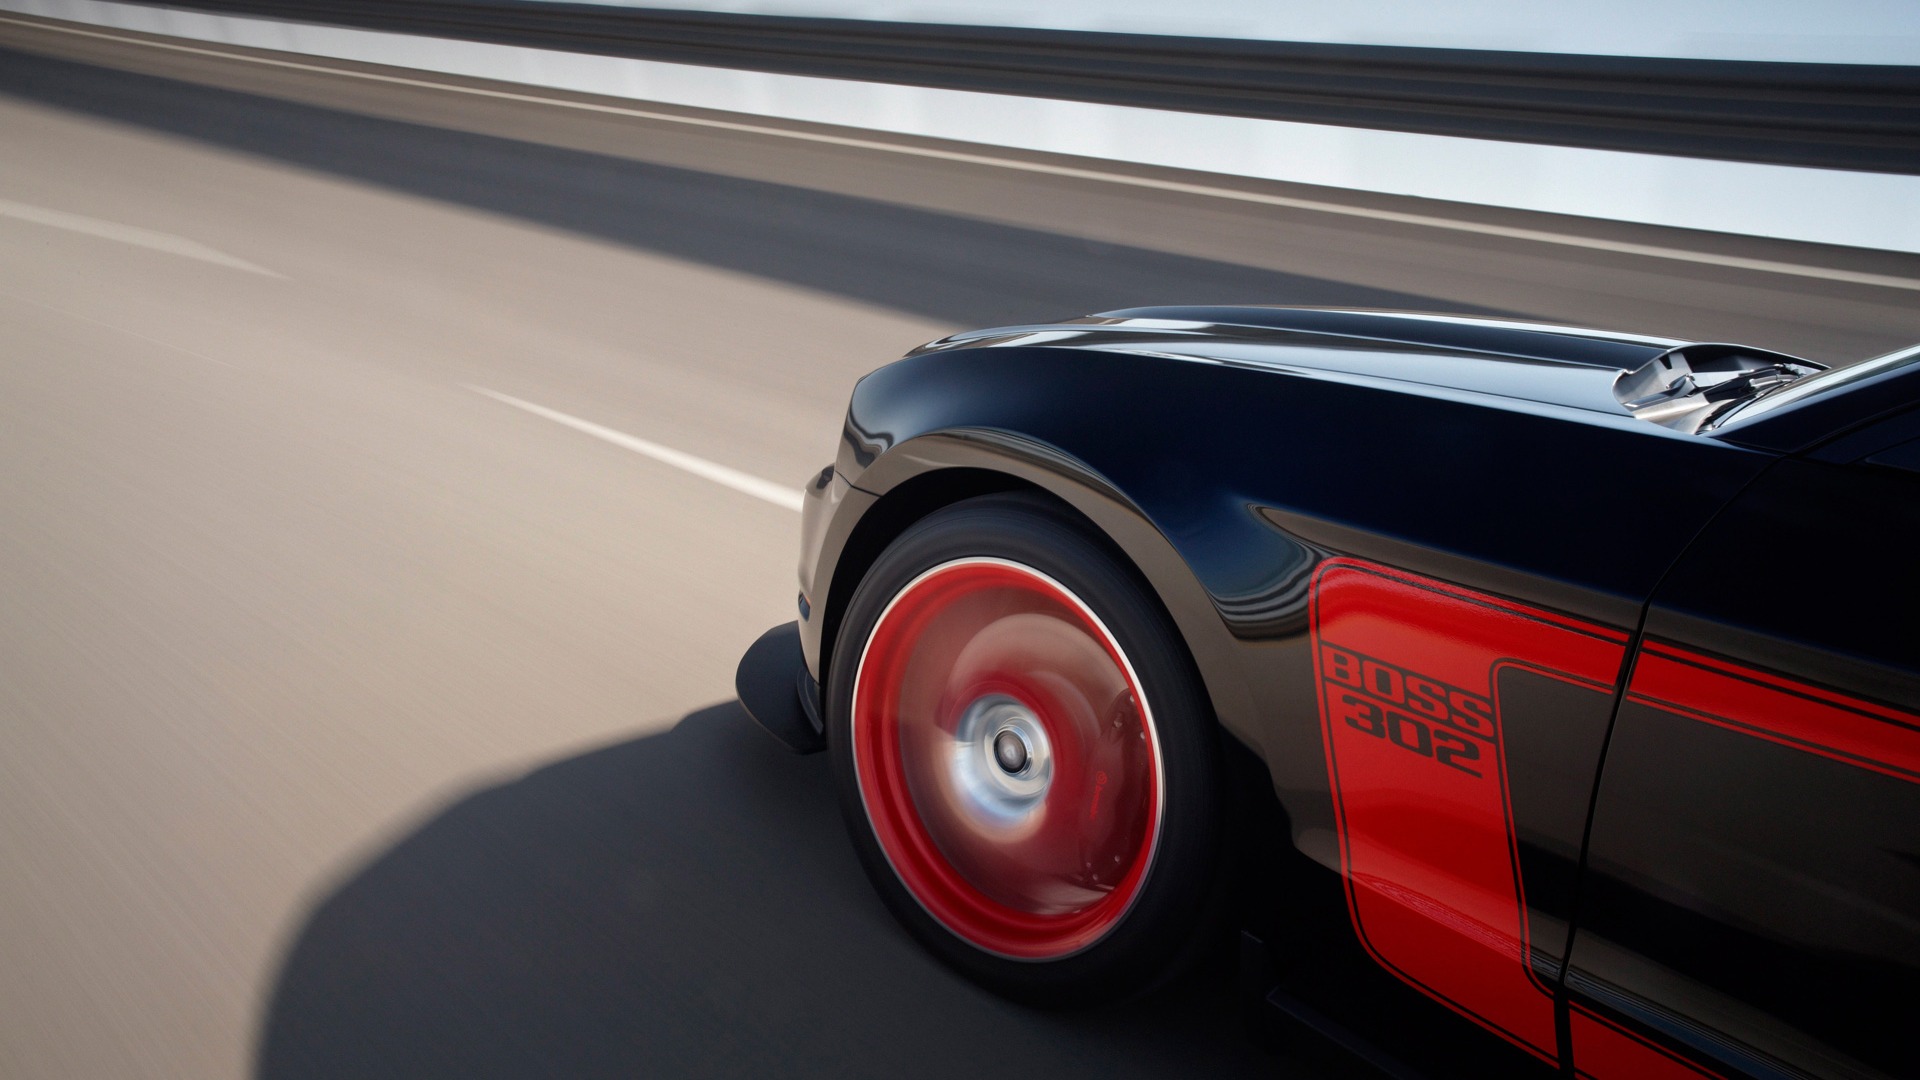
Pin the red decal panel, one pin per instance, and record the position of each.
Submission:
(1406, 669)
(1602, 1050)
(1766, 706)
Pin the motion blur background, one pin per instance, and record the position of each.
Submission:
(403, 406)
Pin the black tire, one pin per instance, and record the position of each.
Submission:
(1172, 911)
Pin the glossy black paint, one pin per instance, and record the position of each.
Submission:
(1769, 889)
(1225, 452)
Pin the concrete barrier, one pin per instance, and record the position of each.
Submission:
(1832, 206)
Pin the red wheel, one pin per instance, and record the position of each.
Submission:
(1006, 758)
(1025, 756)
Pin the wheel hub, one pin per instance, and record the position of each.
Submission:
(1001, 761)
(1010, 752)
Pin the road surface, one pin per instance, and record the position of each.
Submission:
(391, 476)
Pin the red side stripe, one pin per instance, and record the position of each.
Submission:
(1423, 812)
(1766, 706)
(1603, 1049)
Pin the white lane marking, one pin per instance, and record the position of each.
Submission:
(1653, 251)
(777, 494)
(128, 234)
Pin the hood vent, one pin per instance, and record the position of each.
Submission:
(1690, 387)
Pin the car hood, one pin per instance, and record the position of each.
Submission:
(1555, 365)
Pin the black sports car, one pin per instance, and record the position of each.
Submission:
(1587, 663)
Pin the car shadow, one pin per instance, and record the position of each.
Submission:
(684, 904)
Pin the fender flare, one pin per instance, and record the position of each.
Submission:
(1118, 519)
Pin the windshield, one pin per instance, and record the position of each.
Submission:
(1830, 379)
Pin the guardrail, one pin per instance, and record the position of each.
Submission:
(1838, 116)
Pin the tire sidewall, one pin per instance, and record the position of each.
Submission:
(1170, 908)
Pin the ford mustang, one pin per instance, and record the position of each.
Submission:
(1583, 668)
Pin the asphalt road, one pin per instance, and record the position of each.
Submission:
(355, 721)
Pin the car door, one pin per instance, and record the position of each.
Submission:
(1751, 902)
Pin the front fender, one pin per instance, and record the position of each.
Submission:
(1127, 526)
